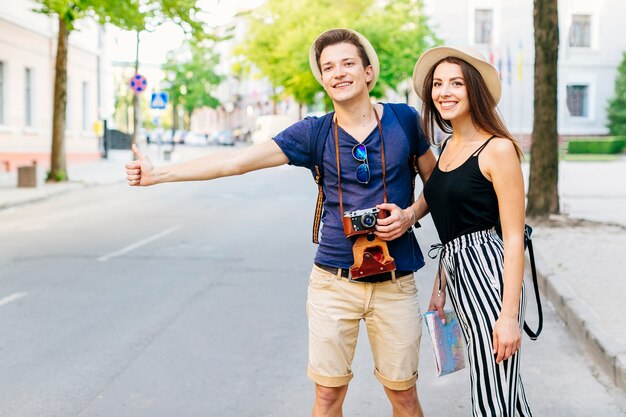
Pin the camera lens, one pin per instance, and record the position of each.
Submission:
(368, 220)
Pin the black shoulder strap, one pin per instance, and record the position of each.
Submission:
(319, 132)
(528, 240)
(443, 144)
(480, 149)
(528, 244)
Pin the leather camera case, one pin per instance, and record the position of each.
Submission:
(371, 257)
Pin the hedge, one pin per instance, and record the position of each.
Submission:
(602, 145)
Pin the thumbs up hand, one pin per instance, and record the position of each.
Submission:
(139, 171)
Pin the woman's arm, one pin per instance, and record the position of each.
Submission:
(502, 166)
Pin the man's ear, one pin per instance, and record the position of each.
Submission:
(369, 74)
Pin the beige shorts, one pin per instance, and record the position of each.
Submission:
(391, 311)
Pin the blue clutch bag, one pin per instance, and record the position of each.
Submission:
(447, 342)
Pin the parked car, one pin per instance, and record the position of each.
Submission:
(222, 137)
(196, 139)
(241, 134)
(179, 136)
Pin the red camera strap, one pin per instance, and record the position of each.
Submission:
(382, 155)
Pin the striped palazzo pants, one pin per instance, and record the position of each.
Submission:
(473, 264)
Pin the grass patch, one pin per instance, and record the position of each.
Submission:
(596, 157)
(600, 145)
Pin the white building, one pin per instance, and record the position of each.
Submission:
(592, 41)
(28, 42)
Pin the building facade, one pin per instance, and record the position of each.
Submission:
(592, 41)
(28, 42)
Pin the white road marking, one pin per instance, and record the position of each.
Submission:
(12, 297)
(139, 244)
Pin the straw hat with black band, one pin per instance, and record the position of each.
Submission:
(470, 55)
(369, 51)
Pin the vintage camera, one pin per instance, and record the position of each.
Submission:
(361, 222)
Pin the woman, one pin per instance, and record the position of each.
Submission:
(477, 183)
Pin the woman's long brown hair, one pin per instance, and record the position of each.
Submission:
(482, 106)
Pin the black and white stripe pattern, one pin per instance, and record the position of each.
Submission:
(474, 264)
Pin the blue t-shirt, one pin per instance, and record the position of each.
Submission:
(335, 249)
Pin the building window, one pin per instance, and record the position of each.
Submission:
(580, 31)
(483, 25)
(85, 105)
(28, 97)
(577, 100)
(2, 83)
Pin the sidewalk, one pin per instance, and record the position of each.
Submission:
(580, 254)
(88, 174)
(581, 261)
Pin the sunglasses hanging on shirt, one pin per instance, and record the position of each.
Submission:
(359, 152)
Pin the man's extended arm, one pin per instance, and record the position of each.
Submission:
(141, 172)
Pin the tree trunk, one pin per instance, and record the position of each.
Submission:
(58, 169)
(187, 123)
(174, 115)
(543, 196)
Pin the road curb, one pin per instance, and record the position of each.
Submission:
(45, 192)
(583, 324)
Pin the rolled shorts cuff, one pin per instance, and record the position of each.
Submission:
(329, 381)
(396, 385)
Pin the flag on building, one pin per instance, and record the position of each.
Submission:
(520, 62)
(509, 68)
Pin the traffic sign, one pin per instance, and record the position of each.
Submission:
(158, 100)
(138, 83)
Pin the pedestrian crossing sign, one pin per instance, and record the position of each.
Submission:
(158, 100)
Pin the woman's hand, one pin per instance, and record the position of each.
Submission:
(507, 338)
(139, 171)
(436, 304)
(396, 223)
(438, 299)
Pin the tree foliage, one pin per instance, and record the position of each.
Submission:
(191, 75)
(281, 32)
(126, 14)
(616, 111)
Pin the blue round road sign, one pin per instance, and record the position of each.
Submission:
(138, 83)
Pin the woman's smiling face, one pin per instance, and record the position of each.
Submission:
(449, 92)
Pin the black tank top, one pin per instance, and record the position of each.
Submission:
(461, 201)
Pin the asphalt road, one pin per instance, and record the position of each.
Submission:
(189, 300)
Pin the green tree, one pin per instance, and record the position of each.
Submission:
(126, 14)
(543, 194)
(281, 32)
(122, 13)
(192, 79)
(400, 33)
(616, 111)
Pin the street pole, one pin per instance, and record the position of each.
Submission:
(136, 110)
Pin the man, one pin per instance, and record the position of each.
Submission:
(346, 65)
